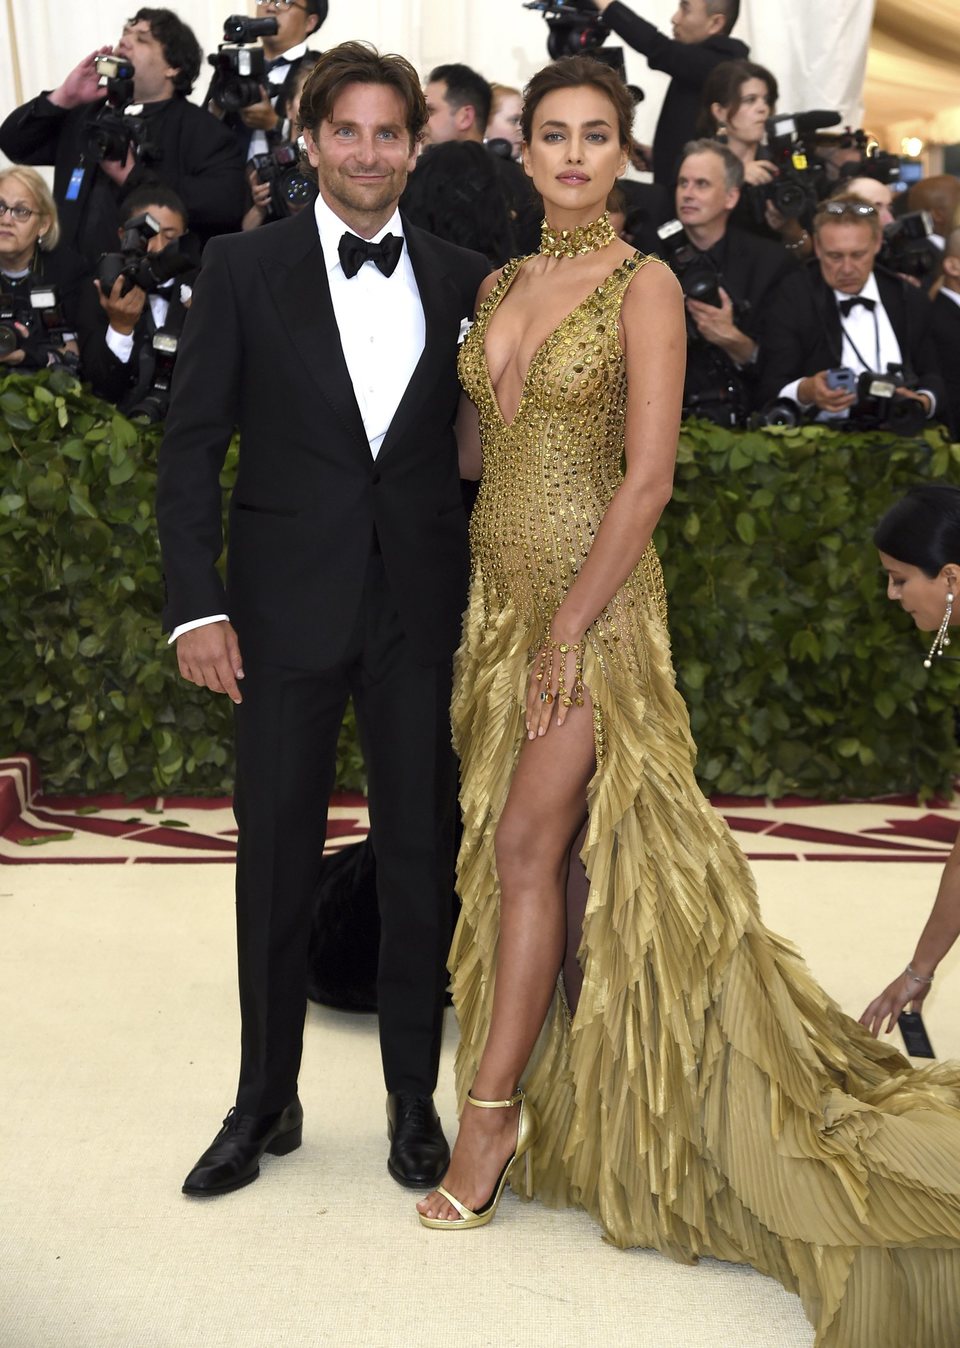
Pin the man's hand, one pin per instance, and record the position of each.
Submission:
(209, 656)
(917, 397)
(814, 389)
(759, 172)
(82, 85)
(717, 326)
(19, 356)
(119, 173)
(123, 311)
(260, 116)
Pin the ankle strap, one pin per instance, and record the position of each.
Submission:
(496, 1104)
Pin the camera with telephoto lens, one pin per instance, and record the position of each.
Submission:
(155, 403)
(38, 311)
(880, 407)
(113, 132)
(906, 246)
(873, 162)
(576, 26)
(698, 277)
(795, 189)
(137, 266)
(240, 70)
(290, 188)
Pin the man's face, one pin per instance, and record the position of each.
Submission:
(362, 152)
(846, 250)
(834, 157)
(294, 25)
(172, 226)
(702, 192)
(692, 23)
(444, 122)
(152, 76)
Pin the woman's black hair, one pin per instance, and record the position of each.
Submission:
(455, 193)
(923, 528)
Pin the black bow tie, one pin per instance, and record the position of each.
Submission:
(846, 306)
(277, 62)
(354, 252)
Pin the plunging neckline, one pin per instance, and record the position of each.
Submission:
(504, 290)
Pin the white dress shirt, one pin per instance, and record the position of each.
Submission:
(382, 333)
(868, 337)
(121, 343)
(275, 77)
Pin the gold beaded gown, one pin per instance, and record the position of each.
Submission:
(707, 1097)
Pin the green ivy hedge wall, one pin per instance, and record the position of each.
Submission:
(800, 676)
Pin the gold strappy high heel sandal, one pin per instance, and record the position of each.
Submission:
(527, 1130)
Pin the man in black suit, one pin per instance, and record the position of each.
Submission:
(701, 40)
(946, 331)
(182, 145)
(117, 351)
(330, 339)
(840, 312)
(731, 271)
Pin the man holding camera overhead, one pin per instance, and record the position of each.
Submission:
(846, 339)
(167, 139)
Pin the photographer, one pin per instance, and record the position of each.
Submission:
(40, 278)
(726, 276)
(280, 180)
(118, 352)
(946, 331)
(839, 318)
(264, 123)
(169, 139)
(701, 40)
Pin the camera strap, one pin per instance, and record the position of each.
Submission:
(856, 349)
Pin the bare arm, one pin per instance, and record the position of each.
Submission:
(655, 345)
(941, 931)
(467, 428)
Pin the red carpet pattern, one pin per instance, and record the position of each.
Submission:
(111, 830)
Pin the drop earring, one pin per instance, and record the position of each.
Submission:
(942, 638)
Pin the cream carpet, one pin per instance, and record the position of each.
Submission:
(117, 1058)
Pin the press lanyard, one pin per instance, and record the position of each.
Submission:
(875, 369)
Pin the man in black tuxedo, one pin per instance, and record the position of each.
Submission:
(182, 145)
(330, 339)
(732, 272)
(117, 350)
(701, 40)
(839, 311)
(946, 331)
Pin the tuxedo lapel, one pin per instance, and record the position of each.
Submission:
(829, 316)
(297, 283)
(439, 301)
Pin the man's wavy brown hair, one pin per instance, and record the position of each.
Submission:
(361, 63)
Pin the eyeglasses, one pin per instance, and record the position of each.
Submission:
(280, 4)
(20, 213)
(846, 208)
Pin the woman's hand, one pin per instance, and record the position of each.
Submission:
(555, 685)
(901, 992)
(759, 172)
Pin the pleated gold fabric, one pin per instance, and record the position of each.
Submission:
(708, 1097)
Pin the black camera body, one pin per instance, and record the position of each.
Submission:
(576, 26)
(240, 70)
(37, 310)
(138, 267)
(290, 188)
(906, 246)
(113, 131)
(880, 407)
(155, 403)
(698, 277)
(795, 189)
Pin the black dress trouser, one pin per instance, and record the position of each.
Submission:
(286, 736)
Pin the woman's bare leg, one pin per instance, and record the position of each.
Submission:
(543, 814)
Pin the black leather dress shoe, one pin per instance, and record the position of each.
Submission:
(233, 1157)
(419, 1155)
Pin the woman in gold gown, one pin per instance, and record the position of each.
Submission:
(699, 1093)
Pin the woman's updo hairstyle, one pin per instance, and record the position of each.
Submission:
(573, 72)
(923, 528)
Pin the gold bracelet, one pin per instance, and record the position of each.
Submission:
(573, 698)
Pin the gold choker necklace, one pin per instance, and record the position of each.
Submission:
(572, 242)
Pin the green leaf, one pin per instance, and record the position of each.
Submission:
(63, 837)
(746, 527)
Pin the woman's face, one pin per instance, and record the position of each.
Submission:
(504, 124)
(923, 597)
(574, 155)
(747, 123)
(18, 238)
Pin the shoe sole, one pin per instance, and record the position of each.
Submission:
(280, 1146)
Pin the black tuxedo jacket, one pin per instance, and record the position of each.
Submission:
(802, 334)
(196, 156)
(261, 351)
(688, 64)
(946, 335)
(123, 384)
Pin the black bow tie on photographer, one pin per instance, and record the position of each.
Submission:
(354, 252)
(276, 62)
(846, 306)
